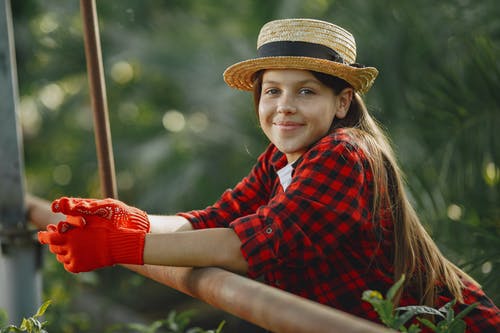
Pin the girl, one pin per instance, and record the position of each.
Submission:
(323, 213)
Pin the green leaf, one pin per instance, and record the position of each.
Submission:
(25, 325)
(443, 326)
(421, 309)
(155, 326)
(402, 319)
(197, 330)
(458, 326)
(221, 325)
(179, 322)
(383, 307)
(414, 328)
(428, 323)
(137, 327)
(43, 308)
(394, 289)
(35, 324)
(10, 328)
(448, 310)
(466, 311)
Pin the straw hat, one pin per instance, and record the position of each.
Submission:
(303, 44)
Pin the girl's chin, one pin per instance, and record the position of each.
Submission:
(291, 152)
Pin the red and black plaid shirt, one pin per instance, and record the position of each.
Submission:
(317, 239)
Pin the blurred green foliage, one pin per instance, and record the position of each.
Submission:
(181, 137)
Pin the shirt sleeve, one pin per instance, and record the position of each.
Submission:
(250, 193)
(326, 201)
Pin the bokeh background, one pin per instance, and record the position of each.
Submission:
(181, 136)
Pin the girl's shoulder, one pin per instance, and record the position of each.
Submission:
(341, 140)
(342, 134)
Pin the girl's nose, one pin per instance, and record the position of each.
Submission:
(285, 105)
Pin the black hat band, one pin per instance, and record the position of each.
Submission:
(298, 49)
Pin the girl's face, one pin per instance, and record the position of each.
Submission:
(296, 109)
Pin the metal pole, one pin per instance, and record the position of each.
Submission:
(98, 97)
(20, 280)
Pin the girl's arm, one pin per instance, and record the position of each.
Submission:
(168, 223)
(172, 240)
(218, 247)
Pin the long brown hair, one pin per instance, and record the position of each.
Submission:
(416, 255)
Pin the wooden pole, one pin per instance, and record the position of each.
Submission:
(265, 306)
(97, 85)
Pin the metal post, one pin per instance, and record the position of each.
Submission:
(20, 281)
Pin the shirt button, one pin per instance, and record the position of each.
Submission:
(269, 230)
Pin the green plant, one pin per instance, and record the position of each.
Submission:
(174, 323)
(396, 318)
(31, 324)
(450, 323)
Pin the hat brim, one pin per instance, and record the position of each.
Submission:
(240, 75)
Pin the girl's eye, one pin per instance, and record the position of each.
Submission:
(271, 91)
(306, 91)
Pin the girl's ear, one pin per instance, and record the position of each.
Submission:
(344, 99)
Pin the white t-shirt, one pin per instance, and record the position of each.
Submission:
(285, 175)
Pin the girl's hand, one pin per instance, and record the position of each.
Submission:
(82, 246)
(117, 212)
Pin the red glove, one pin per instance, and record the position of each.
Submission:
(120, 214)
(82, 247)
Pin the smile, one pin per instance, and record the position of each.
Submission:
(287, 125)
